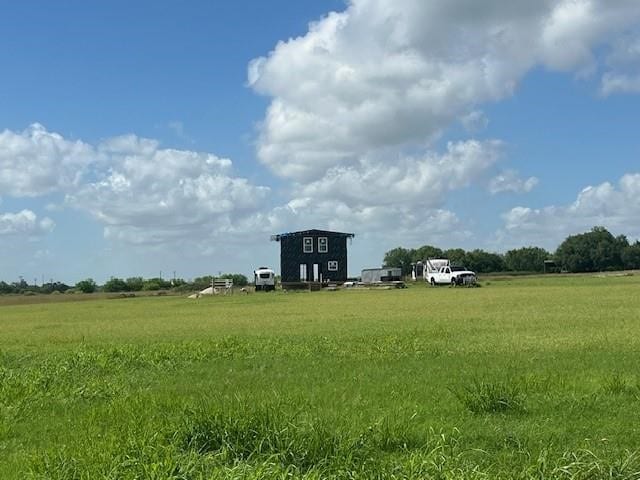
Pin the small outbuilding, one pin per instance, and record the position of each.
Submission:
(384, 274)
(318, 256)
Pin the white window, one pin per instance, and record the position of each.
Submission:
(332, 265)
(307, 244)
(323, 245)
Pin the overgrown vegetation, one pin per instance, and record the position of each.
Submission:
(526, 378)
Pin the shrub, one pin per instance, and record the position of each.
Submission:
(86, 286)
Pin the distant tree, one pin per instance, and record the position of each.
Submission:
(151, 285)
(526, 259)
(483, 262)
(87, 285)
(156, 283)
(631, 256)
(456, 256)
(134, 284)
(6, 288)
(20, 286)
(54, 287)
(426, 251)
(200, 283)
(115, 285)
(399, 257)
(592, 251)
(239, 280)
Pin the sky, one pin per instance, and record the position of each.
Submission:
(173, 138)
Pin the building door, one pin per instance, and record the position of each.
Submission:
(316, 272)
(303, 272)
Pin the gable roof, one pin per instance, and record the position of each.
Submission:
(313, 232)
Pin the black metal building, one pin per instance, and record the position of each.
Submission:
(313, 256)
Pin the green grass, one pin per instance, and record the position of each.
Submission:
(523, 378)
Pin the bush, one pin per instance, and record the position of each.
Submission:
(239, 280)
(86, 286)
(115, 285)
(135, 284)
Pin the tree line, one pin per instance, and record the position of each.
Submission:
(116, 285)
(593, 251)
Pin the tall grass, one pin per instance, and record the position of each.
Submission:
(532, 378)
(487, 397)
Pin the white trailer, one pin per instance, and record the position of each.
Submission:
(264, 279)
(439, 271)
(428, 267)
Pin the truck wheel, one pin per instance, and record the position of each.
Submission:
(453, 282)
(433, 282)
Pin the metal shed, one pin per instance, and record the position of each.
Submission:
(384, 274)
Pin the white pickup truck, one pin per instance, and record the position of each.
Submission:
(449, 275)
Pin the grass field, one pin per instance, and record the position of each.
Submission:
(522, 378)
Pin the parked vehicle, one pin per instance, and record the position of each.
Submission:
(264, 279)
(424, 269)
(452, 275)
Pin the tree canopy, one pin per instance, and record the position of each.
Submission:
(593, 251)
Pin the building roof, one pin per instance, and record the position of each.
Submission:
(314, 232)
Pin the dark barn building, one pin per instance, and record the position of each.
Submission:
(313, 256)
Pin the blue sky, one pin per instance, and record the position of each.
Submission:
(140, 137)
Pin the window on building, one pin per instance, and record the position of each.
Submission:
(307, 244)
(332, 265)
(323, 244)
(303, 272)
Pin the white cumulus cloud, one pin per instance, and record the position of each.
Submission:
(140, 192)
(423, 181)
(25, 224)
(623, 74)
(393, 74)
(510, 181)
(616, 207)
(145, 194)
(36, 162)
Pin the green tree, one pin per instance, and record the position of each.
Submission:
(200, 283)
(592, 251)
(115, 284)
(631, 256)
(399, 257)
(134, 284)
(6, 288)
(526, 259)
(87, 285)
(484, 262)
(456, 256)
(239, 280)
(156, 283)
(426, 251)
